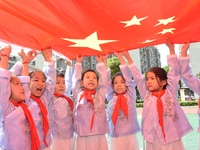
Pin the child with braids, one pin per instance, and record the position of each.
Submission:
(62, 113)
(18, 130)
(90, 116)
(121, 110)
(163, 120)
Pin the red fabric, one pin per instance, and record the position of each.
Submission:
(120, 103)
(41, 24)
(160, 109)
(71, 103)
(44, 116)
(35, 142)
(88, 95)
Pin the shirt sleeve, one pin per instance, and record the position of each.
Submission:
(188, 77)
(139, 79)
(68, 81)
(174, 74)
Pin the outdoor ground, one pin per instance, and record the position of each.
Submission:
(191, 140)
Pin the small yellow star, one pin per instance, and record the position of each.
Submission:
(133, 21)
(166, 31)
(165, 21)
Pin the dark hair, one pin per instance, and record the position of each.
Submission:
(115, 75)
(159, 73)
(89, 70)
(33, 71)
(60, 74)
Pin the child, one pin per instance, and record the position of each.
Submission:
(39, 96)
(90, 115)
(188, 77)
(17, 122)
(122, 113)
(62, 129)
(163, 120)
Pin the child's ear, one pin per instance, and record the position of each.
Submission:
(163, 82)
(81, 82)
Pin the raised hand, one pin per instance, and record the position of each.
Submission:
(6, 51)
(23, 56)
(170, 46)
(79, 58)
(99, 58)
(184, 49)
(47, 54)
(128, 57)
(31, 55)
(68, 62)
(120, 57)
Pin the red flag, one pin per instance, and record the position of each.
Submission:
(94, 27)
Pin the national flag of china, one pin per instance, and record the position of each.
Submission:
(93, 27)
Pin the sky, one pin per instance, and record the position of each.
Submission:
(162, 48)
(164, 51)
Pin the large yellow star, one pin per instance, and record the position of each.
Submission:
(166, 31)
(91, 41)
(133, 21)
(165, 21)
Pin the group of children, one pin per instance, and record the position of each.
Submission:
(36, 112)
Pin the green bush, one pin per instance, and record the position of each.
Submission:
(188, 103)
(139, 103)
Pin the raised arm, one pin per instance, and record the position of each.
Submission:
(120, 57)
(68, 77)
(170, 46)
(26, 58)
(186, 71)
(174, 73)
(76, 78)
(5, 54)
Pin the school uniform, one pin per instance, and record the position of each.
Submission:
(123, 134)
(14, 126)
(62, 119)
(47, 100)
(176, 124)
(87, 137)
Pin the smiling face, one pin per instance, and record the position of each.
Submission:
(60, 85)
(17, 90)
(90, 80)
(37, 83)
(119, 84)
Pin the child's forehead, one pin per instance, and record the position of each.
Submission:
(150, 74)
(90, 73)
(119, 77)
(38, 74)
(59, 78)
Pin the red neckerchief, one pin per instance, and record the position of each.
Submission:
(71, 103)
(120, 103)
(35, 142)
(88, 95)
(44, 115)
(160, 108)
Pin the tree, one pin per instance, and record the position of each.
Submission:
(113, 64)
(166, 68)
(198, 75)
